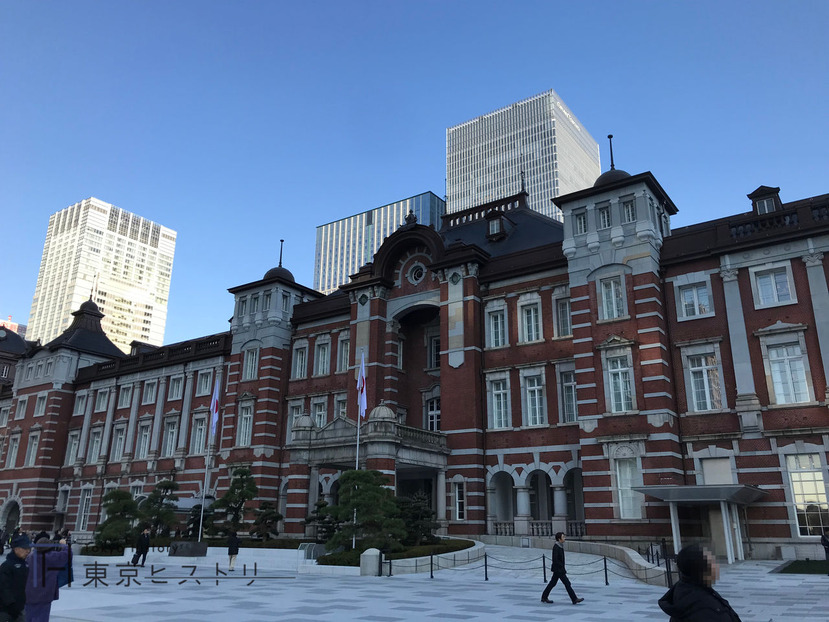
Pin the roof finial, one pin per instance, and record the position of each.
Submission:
(523, 188)
(610, 138)
(281, 242)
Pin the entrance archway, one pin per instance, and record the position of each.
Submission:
(12, 516)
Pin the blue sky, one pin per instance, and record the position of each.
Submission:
(240, 123)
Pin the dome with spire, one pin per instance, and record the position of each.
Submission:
(614, 174)
(89, 306)
(279, 272)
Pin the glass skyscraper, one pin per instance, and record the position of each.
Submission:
(539, 136)
(345, 245)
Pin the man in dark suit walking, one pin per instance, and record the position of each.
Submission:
(142, 547)
(559, 572)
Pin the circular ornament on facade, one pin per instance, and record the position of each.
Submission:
(363, 299)
(416, 273)
(455, 278)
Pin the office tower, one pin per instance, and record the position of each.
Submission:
(539, 137)
(345, 245)
(121, 259)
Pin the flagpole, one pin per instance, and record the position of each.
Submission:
(361, 412)
(204, 488)
(214, 418)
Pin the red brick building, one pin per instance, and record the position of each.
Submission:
(607, 377)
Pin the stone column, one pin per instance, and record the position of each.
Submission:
(102, 457)
(87, 420)
(559, 509)
(136, 400)
(522, 517)
(820, 302)
(440, 496)
(491, 507)
(159, 411)
(185, 415)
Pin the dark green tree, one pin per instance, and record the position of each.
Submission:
(241, 490)
(265, 522)
(419, 518)
(194, 518)
(323, 520)
(378, 523)
(121, 511)
(158, 509)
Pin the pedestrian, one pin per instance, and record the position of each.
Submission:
(142, 547)
(232, 549)
(824, 541)
(692, 599)
(559, 572)
(13, 575)
(45, 565)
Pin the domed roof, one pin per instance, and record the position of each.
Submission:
(11, 342)
(280, 272)
(382, 412)
(608, 177)
(89, 305)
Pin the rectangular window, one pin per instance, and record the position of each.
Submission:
(569, 405)
(4, 370)
(788, 374)
(808, 493)
(630, 505)
(773, 287)
(39, 370)
(251, 364)
(29, 371)
(125, 396)
(433, 415)
(612, 300)
(4, 416)
(765, 206)
(11, 457)
(31, 449)
(535, 400)
(581, 223)
(460, 501)
(243, 306)
(94, 446)
(84, 506)
(198, 436)
(619, 370)
(500, 404)
(40, 406)
(168, 445)
(343, 354)
(705, 382)
(321, 365)
(286, 303)
(49, 364)
(497, 329)
(20, 409)
(80, 404)
(63, 501)
(341, 407)
(72, 443)
(136, 490)
(101, 399)
(295, 413)
(563, 317)
(150, 388)
(266, 301)
(628, 211)
(694, 300)
(245, 427)
(204, 380)
(142, 446)
(434, 352)
(300, 362)
(604, 218)
(118, 437)
(530, 327)
(176, 388)
(254, 304)
(319, 414)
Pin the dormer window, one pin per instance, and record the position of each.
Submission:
(765, 200)
(496, 228)
(765, 206)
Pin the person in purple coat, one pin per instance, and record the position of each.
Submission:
(45, 563)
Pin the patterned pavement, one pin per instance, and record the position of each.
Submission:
(512, 592)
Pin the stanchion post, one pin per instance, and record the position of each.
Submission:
(390, 568)
(544, 567)
(431, 565)
(486, 569)
(669, 579)
(606, 582)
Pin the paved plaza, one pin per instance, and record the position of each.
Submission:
(278, 592)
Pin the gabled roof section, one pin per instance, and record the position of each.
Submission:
(85, 334)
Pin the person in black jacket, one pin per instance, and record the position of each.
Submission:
(693, 599)
(232, 549)
(14, 572)
(824, 542)
(142, 547)
(559, 572)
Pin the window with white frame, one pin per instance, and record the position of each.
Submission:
(788, 374)
(320, 414)
(39, 370)
(136, 490)
(80, 404)
(628, 210)
(4, 370)
(343, 353)
(101, 399)
(703, 377)
(694, 300)
(31, 449)
(400, 342)
(243, 306)
(613, 299)
(40, 406)
(175, 389)
(198, 436)
(286, 303)
(4, 416)
(294, 413)
(251, 364)
(119, 435)
(529, 313)
(203, 382)
(563, 326)
(20, 408)
(808, 493)
(300, 359)
(11, 455)
(603, 213)
(49, 365)
(496, 324)
(29, 371)
(94, 453)
(765, 206)
(460, 500)
(341, 406)
(619, 381)
(73, 441)
(567, 393)
(63, 500)
(433, 353)
(772, 285)
(150, 389)
(125, 396)
(627, 476)
(532, 387)
(84, 506)
(499, 403)
(244, 427)
(433, 414)
(321, 360)
(580, 223)
(142, 444)
(168, 442)
(254, 304)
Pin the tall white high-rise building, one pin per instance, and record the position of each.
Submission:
(122, 260)
(346, 245)
(539, 137)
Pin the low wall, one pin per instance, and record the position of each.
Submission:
(443, 561)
